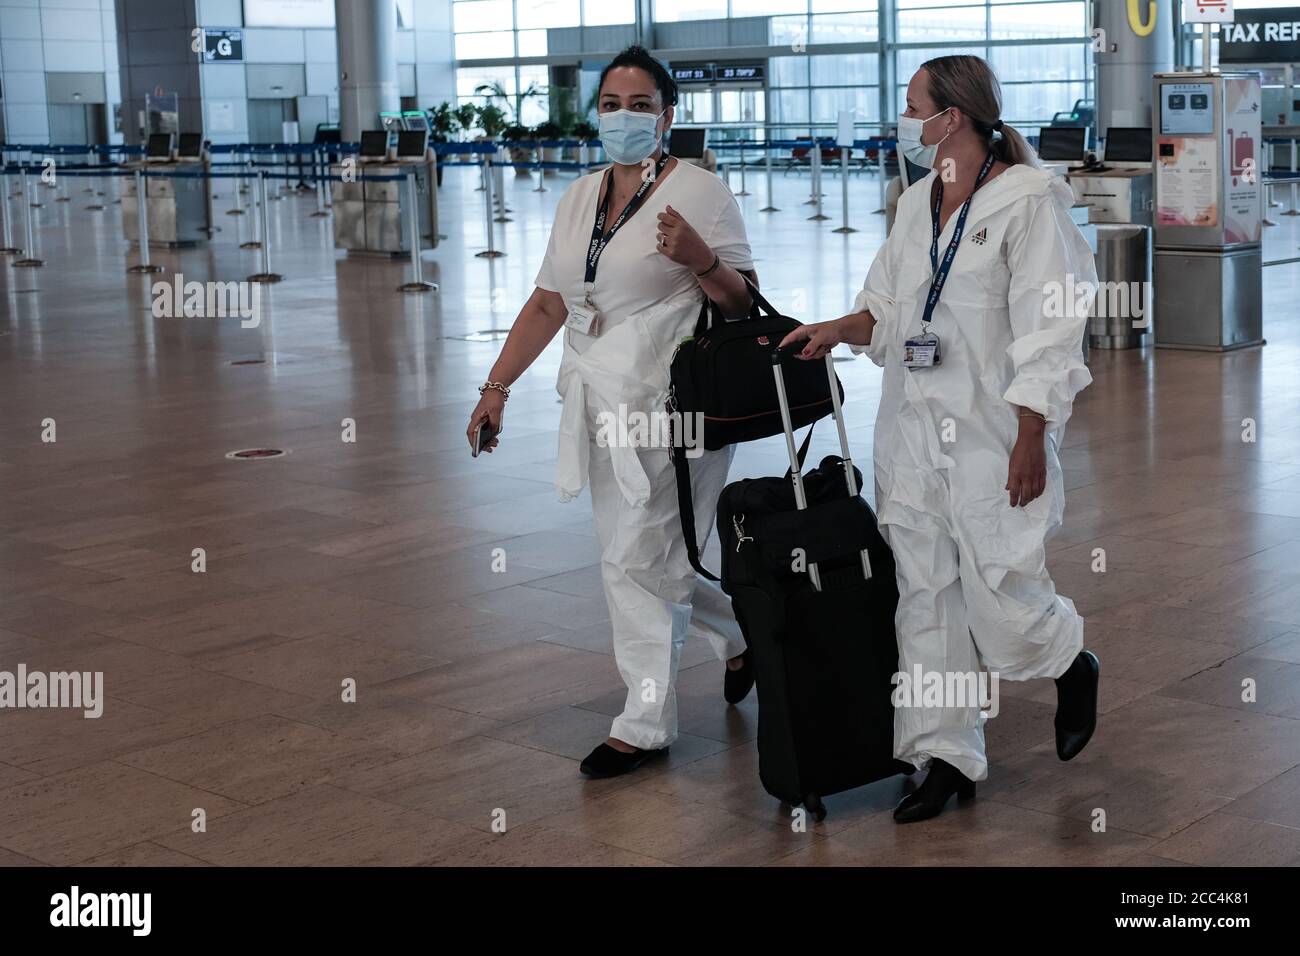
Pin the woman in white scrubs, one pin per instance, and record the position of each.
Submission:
(972, 309)
(633, 252)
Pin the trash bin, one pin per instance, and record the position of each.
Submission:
(1122, 314)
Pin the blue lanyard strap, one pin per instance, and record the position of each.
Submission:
(599, 239)
(941, 269)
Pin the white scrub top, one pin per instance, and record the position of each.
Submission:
(646, 302)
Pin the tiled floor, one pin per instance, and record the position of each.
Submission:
(477, 692)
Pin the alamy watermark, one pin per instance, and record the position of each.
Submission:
(942, 689)
(626, 428)
(175, 298)
(1073, 299)
(23, 689)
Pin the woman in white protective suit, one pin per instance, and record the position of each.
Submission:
(970, 307)
(632, 254)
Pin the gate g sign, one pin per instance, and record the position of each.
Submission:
(1262, 36)
(221, 44)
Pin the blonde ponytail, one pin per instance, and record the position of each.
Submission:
(969, 84)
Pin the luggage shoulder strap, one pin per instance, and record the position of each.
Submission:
(686, 502)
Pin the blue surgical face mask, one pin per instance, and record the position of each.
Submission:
(627, 137)
(909, 140)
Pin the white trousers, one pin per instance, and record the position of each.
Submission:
(951, 621)
(653, 592)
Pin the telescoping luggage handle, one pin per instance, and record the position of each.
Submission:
(796, 466)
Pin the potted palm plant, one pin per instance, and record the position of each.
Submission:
(547, 131)
(513, 135)
(586, 132)
(466, 116)
(491, 120)
(441, 124)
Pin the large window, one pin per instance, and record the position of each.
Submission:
(514, 29)
(824, 55)
(1039, 78)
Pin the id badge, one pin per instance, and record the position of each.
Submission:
(583, 318)
(921, 351)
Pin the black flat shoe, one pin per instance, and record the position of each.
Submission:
(605, 761)
(1076, 705)
(929, 798)
(738, 683)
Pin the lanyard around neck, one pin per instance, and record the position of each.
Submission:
(941, 269)
(599, 238)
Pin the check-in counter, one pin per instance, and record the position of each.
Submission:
(372, 216)
(179, 207)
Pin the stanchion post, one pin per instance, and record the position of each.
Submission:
(142, 227)
(490, 252)
(767, 172)
(417, 283)
(497, 173)
(29, 261)
(254, 242)
(880, 162)
(9, 249)
(541, 170)
(239, 189)
(844, 190)
(61, 192)
(743, 190)
(318, 170)
(266, 275)
(817, 216)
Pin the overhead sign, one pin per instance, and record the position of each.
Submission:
(289, 13)
(693, 74)
(1262, 36)
(219, 44)
(719, 73)
(1207, 11)
(747, 72)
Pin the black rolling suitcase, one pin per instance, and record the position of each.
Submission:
(812, 584)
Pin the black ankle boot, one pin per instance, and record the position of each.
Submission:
(928, 800)
(1076, 705)
(737, 684)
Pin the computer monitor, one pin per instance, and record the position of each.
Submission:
(411, 143)
(327, 135)
(415, 120)
(687, 143)
(1128, 144)
(1062, 144)
(190, 145)
(159, 146)
(374, 144)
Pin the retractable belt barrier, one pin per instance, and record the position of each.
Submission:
(272, 161)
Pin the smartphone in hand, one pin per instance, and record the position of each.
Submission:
(483, 434)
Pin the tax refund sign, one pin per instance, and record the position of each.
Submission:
(1262, 36)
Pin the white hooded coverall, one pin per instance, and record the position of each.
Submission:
(647, 304)
(973, 584)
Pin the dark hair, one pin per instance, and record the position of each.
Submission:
(969, 84)
(640, 58)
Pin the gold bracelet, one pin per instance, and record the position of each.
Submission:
(497, 385)
(717, 261)
(1038, 415)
